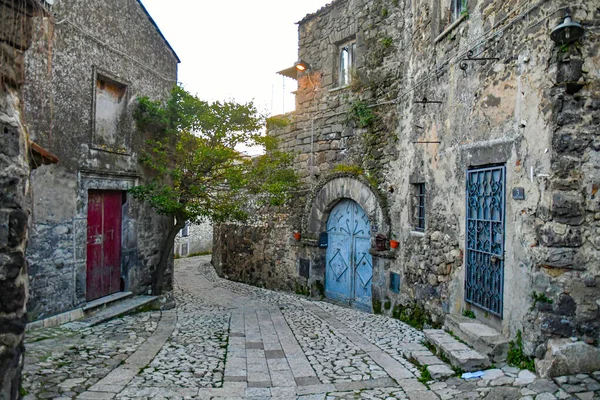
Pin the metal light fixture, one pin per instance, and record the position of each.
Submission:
(301, 65)
(567, 32)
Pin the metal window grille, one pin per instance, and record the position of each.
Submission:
(419, 204)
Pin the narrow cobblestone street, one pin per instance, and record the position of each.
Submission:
(230, 340)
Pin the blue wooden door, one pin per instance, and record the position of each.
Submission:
(484, 281)
(349, 270)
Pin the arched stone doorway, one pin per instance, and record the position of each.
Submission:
(332, 194)
(349, 265)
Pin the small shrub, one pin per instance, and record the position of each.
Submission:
(425, 375)
(516, 357)
(376, 307)
(347, 168)
(540, 298)
(469, 314)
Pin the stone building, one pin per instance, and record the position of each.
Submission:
(194, 239)
(18, 156)
(462, 130)
(89, 237)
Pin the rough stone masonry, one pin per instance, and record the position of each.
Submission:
(16, 155)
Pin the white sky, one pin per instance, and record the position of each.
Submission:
(232, 49)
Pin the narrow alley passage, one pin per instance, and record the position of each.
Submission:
(230, 340)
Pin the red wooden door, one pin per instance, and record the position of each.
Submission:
(103, 243)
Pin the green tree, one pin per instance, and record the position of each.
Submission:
(198, 172)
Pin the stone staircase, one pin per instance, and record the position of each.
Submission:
(482, 338)
(110, 307)
(458, 354)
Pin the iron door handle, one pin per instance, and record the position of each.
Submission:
(495, 259)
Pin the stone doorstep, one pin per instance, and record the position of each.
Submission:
(106, 300)
(57, 320)
(458, 353)
(117, 309)
(483, 338)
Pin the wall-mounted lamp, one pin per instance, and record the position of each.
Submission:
(567, 32)
(301, 65)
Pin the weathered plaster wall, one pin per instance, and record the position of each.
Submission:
(534, 110)
(199, 239)
(115, 40)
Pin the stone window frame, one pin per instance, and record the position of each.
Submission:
(100, 73)
(349, 44)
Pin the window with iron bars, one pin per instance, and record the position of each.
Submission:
(418, 220)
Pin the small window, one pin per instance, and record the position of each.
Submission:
(395, 282)
(346, 63)
(184, 249)
(418, 207)
(457, 7)
(109, 114)
(185, 231)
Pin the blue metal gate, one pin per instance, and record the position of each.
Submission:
(484, 282)
(349, 270)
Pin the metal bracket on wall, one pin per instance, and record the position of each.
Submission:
(472, 57)
(425, 101)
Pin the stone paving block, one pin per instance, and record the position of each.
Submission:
(282, 378)
(440, 371)
(411, 385)
(278, 364)
(314, 389)
(259, 384)
(96, 396)
(254, 345)
(429, 360)
(258, 392)
(274, 354)
(307, 381)
(283, 391)
(233, 378)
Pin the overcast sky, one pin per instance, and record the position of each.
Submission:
(232, 49)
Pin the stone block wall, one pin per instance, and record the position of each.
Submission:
(15, 202)
(419, 109)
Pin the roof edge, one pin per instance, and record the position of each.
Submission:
(159, 31)
(321, 10)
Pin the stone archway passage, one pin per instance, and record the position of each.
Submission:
(349, 265)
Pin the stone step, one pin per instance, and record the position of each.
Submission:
(459, 354)
(483, 338)
(105, 301)
(113, 310)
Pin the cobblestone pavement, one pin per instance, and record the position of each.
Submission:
(230, 340)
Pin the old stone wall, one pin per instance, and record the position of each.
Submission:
(423, 108)
(15, 203)
(98, 54)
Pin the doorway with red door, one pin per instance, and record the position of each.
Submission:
(104, 219)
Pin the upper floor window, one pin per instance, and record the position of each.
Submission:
(185, 231)
(457, 7)
(346, 59)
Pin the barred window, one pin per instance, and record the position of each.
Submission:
(418, 220)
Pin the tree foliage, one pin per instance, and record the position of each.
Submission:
(199, 173)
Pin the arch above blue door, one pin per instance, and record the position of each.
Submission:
(349, 269)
